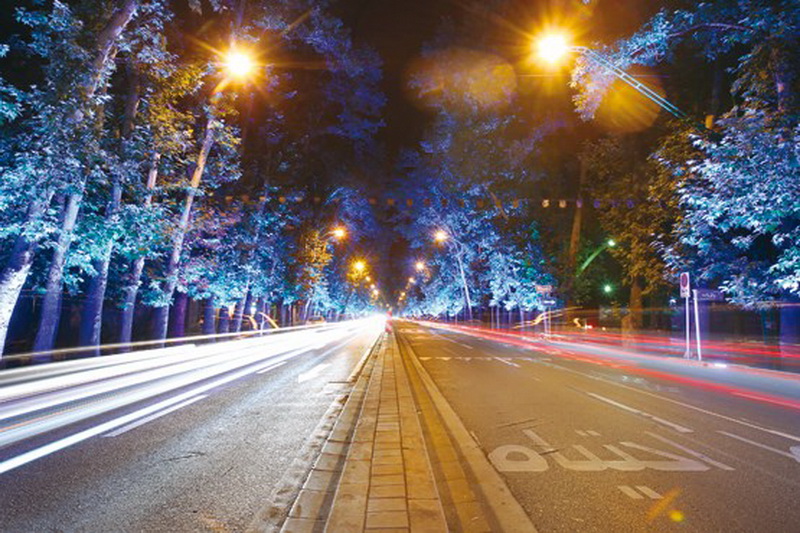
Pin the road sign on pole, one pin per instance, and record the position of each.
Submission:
(685, 294)
(544, 289)
(686, 289)
(709, 295)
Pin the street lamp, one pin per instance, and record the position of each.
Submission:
(420, 266)
(412, 280)
(552, 48)
(608, 288)
(610, 243)
(239, 64)
(339, 232)
(359, 266)
(440, 236)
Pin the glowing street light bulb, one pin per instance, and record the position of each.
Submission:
(375, 292)
(611, 243)
(339, 232)
(359, 266)
(238, 64)
(420, 266)
(552, 48)
(412, 280)
(440, 235)
(607, 288)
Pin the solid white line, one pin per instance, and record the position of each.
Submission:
(758, 444)
(55, 446)
(699, 455)
(154, 416)
(676, 427)
(689, 406)
(265, 370)
(647, 491)
(311, 374)
(629, 492)
(509, 363)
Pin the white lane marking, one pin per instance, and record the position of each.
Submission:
(509, 363)
(311, 374)
(265, 370)
(154, 416)
(758, 444)
(580, 432)
(682, 404)
(676, 427)
(699, 455)
(630, 493)
(75, 438)
(424, 358)
(650, 493)
(593, 433)
(444, 358)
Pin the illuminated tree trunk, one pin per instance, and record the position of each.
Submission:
(51, 303)
(177, 327)
(16, 271)
(635, 305)
(209, 317)
(134, 278)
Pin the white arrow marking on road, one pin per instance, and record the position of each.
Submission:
(796, 452)
(792, 455)
(311, 374)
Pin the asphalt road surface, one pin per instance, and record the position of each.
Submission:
(593, 442)
(207, 461)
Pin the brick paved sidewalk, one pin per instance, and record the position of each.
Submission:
(387, 483)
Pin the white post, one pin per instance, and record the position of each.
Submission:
(688, 353)
(697, 326)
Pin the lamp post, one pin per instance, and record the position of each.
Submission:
(238, 66)
(610, 243)
(554, 47)
(441, 236)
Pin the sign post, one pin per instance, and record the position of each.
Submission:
(697, 326)
(685, 294)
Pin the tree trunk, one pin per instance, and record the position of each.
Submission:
(209, 317)
(92, 312)
(574, 242)
(18, 267)
(51, 303)
(162, 316)
(224, 320)
(244, 310)
(134, 279)
(178, 323)
(635, 305)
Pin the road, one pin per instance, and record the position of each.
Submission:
(185, 439)
(596, 440)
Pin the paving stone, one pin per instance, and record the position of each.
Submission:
(387, 519)
(327, 461)
(426, 516)
(393, 479)
(319, 480)
(387, 491)
(349, 508)
(307, 504)
(386, 469)
(299, 525)
(386, 504)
